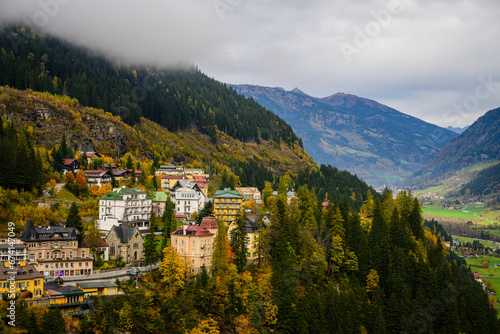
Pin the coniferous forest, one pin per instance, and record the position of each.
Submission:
(327, 270)
(178, 99)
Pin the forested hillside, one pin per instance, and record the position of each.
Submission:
(324, 272)
(178, 99)
(480, 143)
(45, 117)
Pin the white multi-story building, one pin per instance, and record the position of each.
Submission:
(187, 201)
(132, 202)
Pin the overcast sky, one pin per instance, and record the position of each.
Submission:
(436, 60)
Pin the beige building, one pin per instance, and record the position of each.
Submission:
(55, 250)
(250, 193)
(195, 245)
(125, 241)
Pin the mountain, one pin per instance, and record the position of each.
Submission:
(458, 130)
(379, 144)
(479, 144)
(176, 98)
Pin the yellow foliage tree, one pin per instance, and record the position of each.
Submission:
(173, 270)
(372, 280)
(208, 326)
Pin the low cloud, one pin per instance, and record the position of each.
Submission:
(422, 59)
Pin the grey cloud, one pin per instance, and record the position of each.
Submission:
(424, 61)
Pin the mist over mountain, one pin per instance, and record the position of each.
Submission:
(376, 142)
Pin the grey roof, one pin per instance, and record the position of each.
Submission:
(67, 289)
(16, 246)
(26, 272)
(124, 233)
(96, 285)
(45, 233)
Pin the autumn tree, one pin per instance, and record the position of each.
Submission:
(220, 261)
(173, 270)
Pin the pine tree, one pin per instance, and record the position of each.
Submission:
(151, 255)
(238, 242)
(75, 220)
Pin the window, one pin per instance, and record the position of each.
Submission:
(182, 242)
(38, 292)
(83, 253)
(70, 255)
(63, 255)
(48, 255)
(112, 250)
(67, 264)
(32, 257)
(72, 264)
(5, 285)
(80, 264)
(67, 243)
(86, 264)
(192, 262)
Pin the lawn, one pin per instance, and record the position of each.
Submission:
(471, 212)
(65, 195)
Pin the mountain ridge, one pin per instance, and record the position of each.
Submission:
(360, 135)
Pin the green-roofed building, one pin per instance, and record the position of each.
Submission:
(132, 202)
(159, 203)
(227, 204)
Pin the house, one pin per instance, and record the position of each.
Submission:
(71, 300)
(102, 247)
(187, 191)
(125, 174)
(170, 170)
(250, 193)
(17, 252)
(210, 224)
(159, 203)
(133, 202)
(97, 177)
(125, 241)
(91, 156)
(196, 172)
(71, 165)
(99, 288)
(109, 166)
(227, 204)
(55, 250)
(195, 245)
(168, 181)
(202, 182)
(26, 278)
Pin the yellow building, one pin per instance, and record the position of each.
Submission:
(21, 278)
(99, 288)
(227, 204)
(69, 299)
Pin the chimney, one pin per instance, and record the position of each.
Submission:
(184, 229)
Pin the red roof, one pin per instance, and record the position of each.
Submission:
(100, 241)
(476, 276)
(194, 230)
(68, 161)
(209, 222)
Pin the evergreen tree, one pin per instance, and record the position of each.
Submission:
(75, 220)
(239, 242)
(151, 255)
